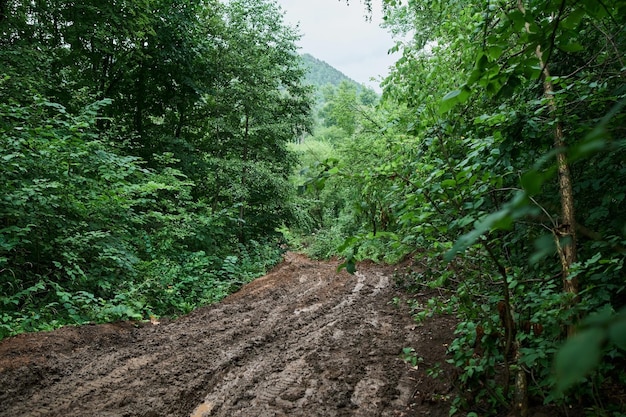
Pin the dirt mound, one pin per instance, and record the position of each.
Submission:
(302, 341)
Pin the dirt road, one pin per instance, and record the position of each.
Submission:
(302, 341)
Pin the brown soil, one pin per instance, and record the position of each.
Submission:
(304, 340)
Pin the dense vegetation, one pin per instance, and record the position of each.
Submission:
(497, 158)
(144, 154)
(148, 148)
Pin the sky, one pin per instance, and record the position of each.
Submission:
(340, 35)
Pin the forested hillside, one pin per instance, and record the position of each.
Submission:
(144, 155)
(496, 160)
(320, 73)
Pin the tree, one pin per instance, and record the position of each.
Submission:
(260, 108)
(146, 154)
(340, 107)
(509, 118)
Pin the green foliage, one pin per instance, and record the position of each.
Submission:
(144, 155)
(340, 107)
(333, 179)
(410, 356)
(462, 161)
(601, 334)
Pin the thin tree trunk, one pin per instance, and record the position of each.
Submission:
(565, 235)
(520, 400)
(3, 9)
(511, 344)
(140, 90)
(244, 174)
(180, 124)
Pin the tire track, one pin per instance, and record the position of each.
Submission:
(303, 341)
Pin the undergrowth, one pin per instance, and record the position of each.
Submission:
(159, 287)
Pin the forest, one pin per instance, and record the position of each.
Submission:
(145, 167)
(157, 155)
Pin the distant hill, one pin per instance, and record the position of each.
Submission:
(321, 73)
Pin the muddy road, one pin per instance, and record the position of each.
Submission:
(302, 341)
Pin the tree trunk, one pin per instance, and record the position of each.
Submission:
(244, 174)
(511, 344)
(520, 400)
(565, 236)
(140, 91)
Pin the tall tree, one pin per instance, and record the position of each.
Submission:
(262, 105)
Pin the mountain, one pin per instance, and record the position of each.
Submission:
(321, 73)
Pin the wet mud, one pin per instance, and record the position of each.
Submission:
(304, 340)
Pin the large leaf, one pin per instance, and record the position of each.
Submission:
(532, 182)
(578, 357)
(488, 223)
(453, 98)
(617, 330)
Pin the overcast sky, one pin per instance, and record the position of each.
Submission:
(340, 35)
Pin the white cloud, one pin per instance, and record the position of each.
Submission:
(341, 35)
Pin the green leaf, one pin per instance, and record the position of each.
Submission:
(451, 95)
(601, 317)
(596, 143)
(509, 87)
(349, 265)
(532, 182)
(544, 246)
(453, 98)
(617, 330)
(479, 68)
(448, 183)
(494, 52)
(493, 220)
(349, 242)
(578, 357)
(573, 19)
(571, 47)
(595, 8)
(518, 19)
